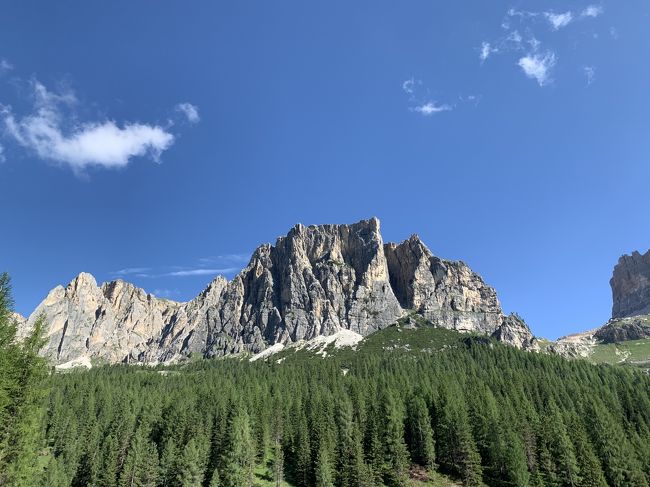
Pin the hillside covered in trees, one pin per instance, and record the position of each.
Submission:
(408, 407)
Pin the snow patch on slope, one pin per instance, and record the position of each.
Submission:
(77, 362)
(318, 345)
(340, 339)
(272, 350)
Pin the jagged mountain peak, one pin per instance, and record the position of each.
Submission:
(82, 281)
(317, 280)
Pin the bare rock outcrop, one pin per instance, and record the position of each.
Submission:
(446, 293)
(315, 281)
(631, 285)
(624, 329)
(514, 331)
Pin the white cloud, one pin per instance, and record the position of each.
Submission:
(2, 154)
(190, 111)
(430, 108)
(538, 66)
(486, 50)
(592, 11)
(54, 135)
(590, 73)
(522, 14)
(410, 85)
(558, 21)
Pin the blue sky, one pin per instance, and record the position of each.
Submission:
(162, 142)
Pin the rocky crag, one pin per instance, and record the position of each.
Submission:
(630, 319)
(631, 286)
(315, 281)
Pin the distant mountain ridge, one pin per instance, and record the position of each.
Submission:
(315, 281)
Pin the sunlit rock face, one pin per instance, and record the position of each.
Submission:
(315, 281)
(631, 286)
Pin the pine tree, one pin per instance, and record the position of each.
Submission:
(190, 466)
(561, 448)
(301, 451)
(215, 480)
(278, 459)
(620, 465)
(351, 468)
(107, 475)
(141, 466)
(22, 392)
(396, 457)
(591, 472)
(55, 475)
(420, 433)
(458, 449)
(239, 460)
(324, 473)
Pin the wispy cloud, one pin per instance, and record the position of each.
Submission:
(166, 293)
(558, 21)
(419, 98)
(190, 111)
(555, 19)
(590, 74)
(51, 132)
(520, 39)
(225, 264)
(201, 272)
(2, 154)
(224, 258)
(429, 108)
(409, 85)
(592, 11)
(538, 66)
(486, 50)
(131, 270)
(5, 66)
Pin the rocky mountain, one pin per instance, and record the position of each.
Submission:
(315, 281)
(624, 329)
(631, 286)
(630, 319)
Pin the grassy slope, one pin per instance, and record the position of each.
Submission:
(633, 352)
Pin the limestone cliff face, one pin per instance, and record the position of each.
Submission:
(315, 281)
(115, 322)
(446, 293)
(631, 286)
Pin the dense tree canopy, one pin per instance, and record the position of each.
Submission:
(476, 411)
(480, 412)
(22, 390)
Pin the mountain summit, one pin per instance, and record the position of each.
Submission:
(317, 280)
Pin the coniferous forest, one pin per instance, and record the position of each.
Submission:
(455, 407)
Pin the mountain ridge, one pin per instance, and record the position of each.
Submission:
(314, 281)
